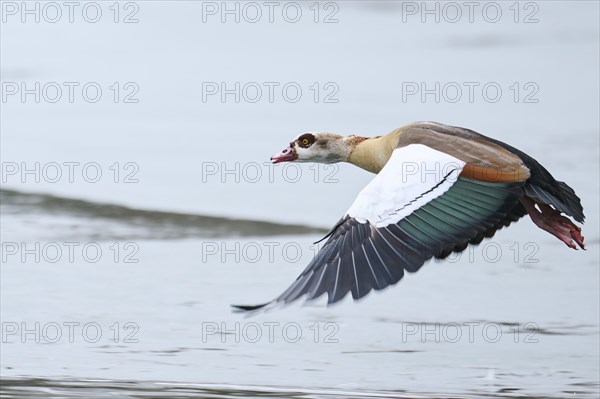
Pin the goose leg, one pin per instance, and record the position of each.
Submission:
(549, 219)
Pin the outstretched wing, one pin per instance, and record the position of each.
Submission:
(418, 207)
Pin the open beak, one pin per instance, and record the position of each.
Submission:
(287, 155)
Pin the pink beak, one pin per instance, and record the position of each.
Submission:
(287, 155)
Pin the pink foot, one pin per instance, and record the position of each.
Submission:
(554, 223)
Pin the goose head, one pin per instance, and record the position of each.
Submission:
(319, 147)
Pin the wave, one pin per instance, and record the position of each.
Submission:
(38, 387)
(110, 221)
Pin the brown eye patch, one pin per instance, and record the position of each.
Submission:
(306, 140)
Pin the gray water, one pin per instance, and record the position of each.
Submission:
(122, 287)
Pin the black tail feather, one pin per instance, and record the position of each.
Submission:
(570, 203)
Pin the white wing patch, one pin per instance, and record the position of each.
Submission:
(414, 175)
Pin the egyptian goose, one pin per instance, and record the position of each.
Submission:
(438, 189)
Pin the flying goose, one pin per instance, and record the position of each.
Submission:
(438, 189)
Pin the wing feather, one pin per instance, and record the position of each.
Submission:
(398, 222)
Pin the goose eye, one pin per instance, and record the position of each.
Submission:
(306, 140)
